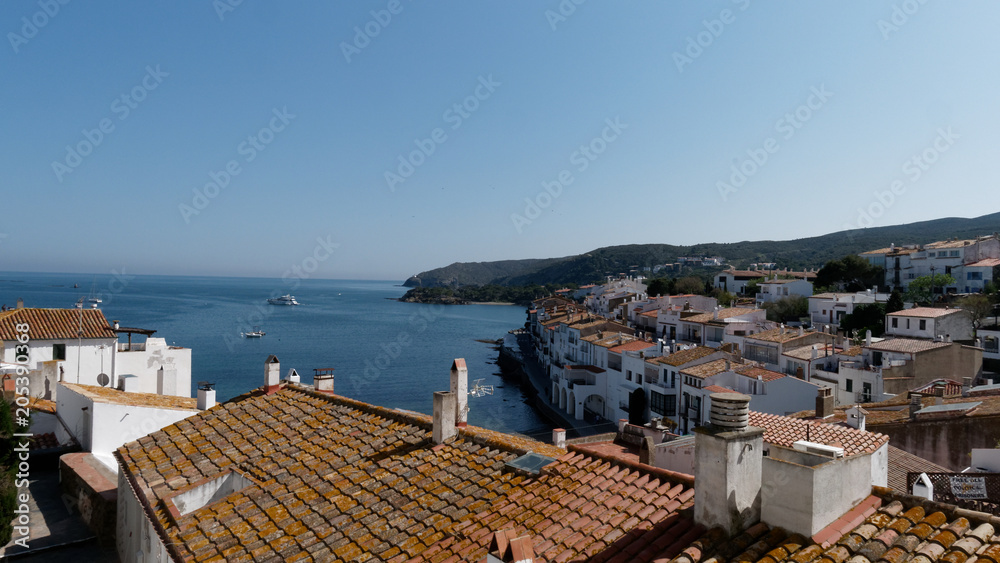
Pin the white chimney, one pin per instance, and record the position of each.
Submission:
(801, 330)
(559, 437)
(460, 388)
(20, 303)
(166, 381)
(728, 456)
(206, 395)
(868, 338)
(856, 417)
(292, 376)
(272, 375)
(444, 416)
(323, 380)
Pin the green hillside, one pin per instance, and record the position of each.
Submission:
(810, 252)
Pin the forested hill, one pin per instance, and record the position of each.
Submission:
(593, 266)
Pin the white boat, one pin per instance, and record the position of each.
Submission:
(255, 333)
(283, 300)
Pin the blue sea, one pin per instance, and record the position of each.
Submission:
(384, 352)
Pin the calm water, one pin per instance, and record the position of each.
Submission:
(385, 352)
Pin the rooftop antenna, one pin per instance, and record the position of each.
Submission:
(478, 390)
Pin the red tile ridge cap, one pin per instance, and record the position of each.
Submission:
(671, 476)
(950, 510)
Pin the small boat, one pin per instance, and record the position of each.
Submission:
(255, 333)
(283, 300)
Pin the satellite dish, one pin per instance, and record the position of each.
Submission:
(103, 379)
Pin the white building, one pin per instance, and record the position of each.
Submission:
(969, 261)
(101, 419)
(930, 323)
(80, 346)
(827, 309)
(773, 290)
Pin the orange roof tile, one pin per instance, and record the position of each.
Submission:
(985, 263)
(115, 397)
(686, 356)
(633, 346)
(785, 431)
(907, 345)
(723, 314)
(779, 334)
(755, 372)
(55, 324)
(336, 478)
(701, 371)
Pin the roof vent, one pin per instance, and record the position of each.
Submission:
(730, 411)
(206, 395)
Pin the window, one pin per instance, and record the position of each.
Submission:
(665, 405)
(907, 324)
(58, 351)
(849, 385)
(953, 254)
(931, 254)
(974, 276)
(628, 375)
(895, 322)
(923, 324)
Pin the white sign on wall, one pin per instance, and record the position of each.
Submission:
(968, 488)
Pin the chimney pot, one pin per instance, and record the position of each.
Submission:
(559, 437)
(825, 402)
(272, 375)
(324, 380)
(206, 395)
(444, 416)
(915, 405)
(460, 388)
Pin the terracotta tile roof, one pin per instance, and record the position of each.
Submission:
(585, 508)
(785, 431)
(767, 273)
(723, 314)
(336, 478)
(985, 263)
(633, 346)
(717, 389)
(925, 312)
(686, 356)
(652, 313)
(887, 526)
(55, 324)
(907, 345)
(116, 397)
(805, 352)
(779, 335)
(901, 463)
(949, 244)
(755, 372)
(614, 340)
(701, 371)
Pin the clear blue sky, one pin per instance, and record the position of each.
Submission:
(896, 85)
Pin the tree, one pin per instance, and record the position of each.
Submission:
(978, 306)
(870, 316)
(722, 296)
(895, 302)
(661, 286)
(850, 273)
(753, 287)
(690, 284)
(791, 308)
(921, 290)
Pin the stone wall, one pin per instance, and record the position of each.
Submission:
(90, 492)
